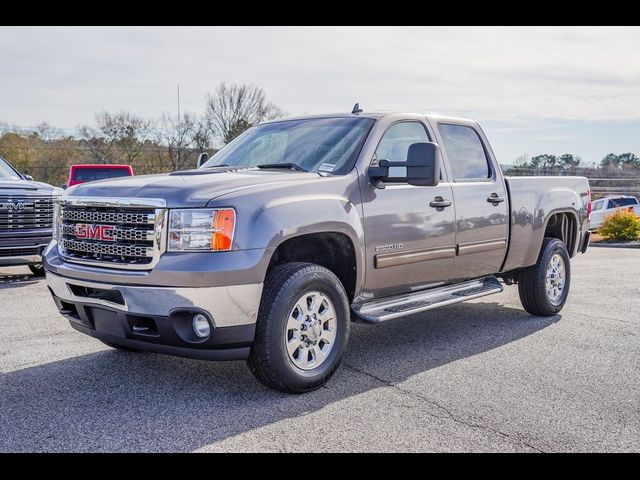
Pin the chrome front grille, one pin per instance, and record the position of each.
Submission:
(22, 212)
(108, 249)
(118, 233)
(83, 215)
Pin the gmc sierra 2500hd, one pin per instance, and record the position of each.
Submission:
(26, 215)
(298, 226)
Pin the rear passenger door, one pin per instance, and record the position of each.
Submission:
(480, 199)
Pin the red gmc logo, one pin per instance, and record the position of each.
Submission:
(88, 231)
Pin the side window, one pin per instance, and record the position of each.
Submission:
(622, 202)
(598, 205)
(395, 142)
(465, 152)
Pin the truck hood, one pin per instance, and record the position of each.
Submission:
(190, 188)
(25, 187)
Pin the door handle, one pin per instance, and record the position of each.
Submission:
(495, 199)
(440, 203)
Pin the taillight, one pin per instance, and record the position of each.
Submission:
(589, 205)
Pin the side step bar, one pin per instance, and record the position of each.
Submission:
(389, 308)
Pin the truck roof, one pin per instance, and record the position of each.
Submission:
(99, 165)
(376, 115)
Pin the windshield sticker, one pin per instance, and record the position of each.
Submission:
(327, 167)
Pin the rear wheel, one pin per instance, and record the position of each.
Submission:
(544, 287)
(37, 270)
(302, 330)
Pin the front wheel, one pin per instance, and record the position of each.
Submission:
(544, 287)
(302, 329)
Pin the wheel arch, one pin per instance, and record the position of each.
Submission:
(332, 249)
(563, 224)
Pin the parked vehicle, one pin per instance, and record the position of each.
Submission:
(297, 227)
(605, 206)
(26, 216)
(89, 173)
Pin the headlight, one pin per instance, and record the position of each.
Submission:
(201, 229)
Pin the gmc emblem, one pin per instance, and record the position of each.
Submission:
(16, 206)
(88, 231)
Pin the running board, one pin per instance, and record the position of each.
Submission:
(389, 308)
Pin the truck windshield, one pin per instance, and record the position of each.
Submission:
(328, 145)
(91, 174)
(6, 172)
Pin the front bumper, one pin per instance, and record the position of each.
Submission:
(22, 253)
(158, 319)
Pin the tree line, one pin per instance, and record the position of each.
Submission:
(615, 174)
(163, 144)
(569, 162)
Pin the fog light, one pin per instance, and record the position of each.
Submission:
(201, 326)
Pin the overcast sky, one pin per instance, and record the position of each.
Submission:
(536, 90)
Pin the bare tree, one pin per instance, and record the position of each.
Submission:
(117, 137)
(202, 136)
(180, 140)
(234, 108)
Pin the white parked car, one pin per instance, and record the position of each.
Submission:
(605, 206)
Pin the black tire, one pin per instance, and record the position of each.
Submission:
(531, 283)
(37, 270)
(122, 348)
(269, 361)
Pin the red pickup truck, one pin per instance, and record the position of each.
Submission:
(89, 173)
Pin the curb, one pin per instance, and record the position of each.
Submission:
(614, 245)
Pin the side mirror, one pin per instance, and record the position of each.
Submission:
(422, 167)
(28, 177)
(64, 187)
(202, 159)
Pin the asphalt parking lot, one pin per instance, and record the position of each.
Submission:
(479, 376)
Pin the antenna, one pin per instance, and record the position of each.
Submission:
(178, 106)
(356, 109)
(179, 130)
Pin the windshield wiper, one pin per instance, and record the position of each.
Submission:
(288, 166)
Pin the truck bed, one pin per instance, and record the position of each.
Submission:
(533, 201)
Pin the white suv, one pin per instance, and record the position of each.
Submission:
(608, 205)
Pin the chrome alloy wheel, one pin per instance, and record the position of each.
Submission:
(311, 330)
(555, 278)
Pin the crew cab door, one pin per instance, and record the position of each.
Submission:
(409, 244)
(481, 200)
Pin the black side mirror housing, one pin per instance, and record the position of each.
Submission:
(202, 159)
(422, 167)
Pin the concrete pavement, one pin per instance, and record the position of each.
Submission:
(478, 376)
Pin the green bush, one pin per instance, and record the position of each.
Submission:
(621, 225)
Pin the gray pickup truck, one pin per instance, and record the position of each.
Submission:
(26, 217)
(297, 227)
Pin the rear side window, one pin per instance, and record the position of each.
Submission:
(465, 153)
(598, 205)
(622, 202)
